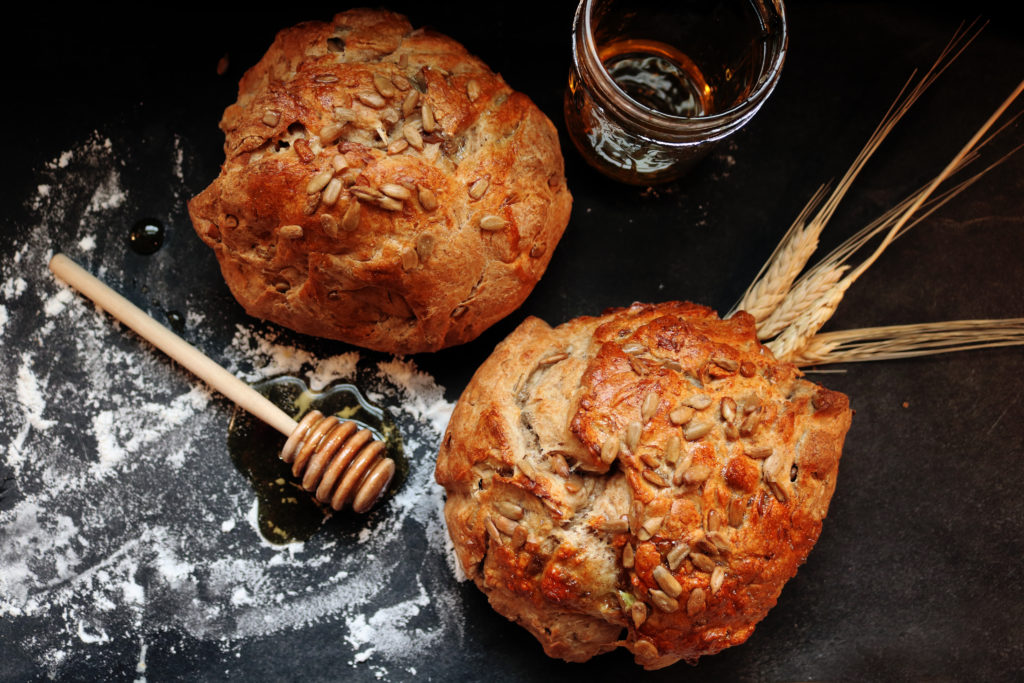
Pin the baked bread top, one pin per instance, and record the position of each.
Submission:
(382, 187)
(649, 478)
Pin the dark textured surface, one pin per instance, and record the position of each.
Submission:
(918, 571)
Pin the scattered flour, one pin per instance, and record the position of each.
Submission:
(108, 195)
(121, 516)
(30, 396)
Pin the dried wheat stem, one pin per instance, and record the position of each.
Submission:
(800, 241)
(950, 168)
(844, 251)
(907, 341)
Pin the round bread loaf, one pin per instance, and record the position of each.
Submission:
(382, 187)
(649, 479)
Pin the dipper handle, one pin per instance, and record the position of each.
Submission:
(199, 364)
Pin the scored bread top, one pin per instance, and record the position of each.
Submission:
(382, 187)
(649, 478)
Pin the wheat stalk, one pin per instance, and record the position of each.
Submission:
(813, 284)
(791, 341)
(776, 277)
(908, 341)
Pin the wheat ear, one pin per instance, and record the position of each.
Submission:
(776, 277)
(795, 337)
(787, 260)
(907, 341)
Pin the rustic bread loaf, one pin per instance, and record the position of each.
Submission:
(382, 187)
(649, 478)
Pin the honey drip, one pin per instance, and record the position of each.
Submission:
(146, 236)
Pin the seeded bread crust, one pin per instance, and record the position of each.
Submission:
(649, 479)
(382, 187)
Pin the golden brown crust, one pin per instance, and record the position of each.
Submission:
(382, 187)
(649, 479)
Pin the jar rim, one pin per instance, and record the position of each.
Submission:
(726, 120)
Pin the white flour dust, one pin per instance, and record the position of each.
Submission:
(122, 519)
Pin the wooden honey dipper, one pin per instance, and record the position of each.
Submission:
(337, 462)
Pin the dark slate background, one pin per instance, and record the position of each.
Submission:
(918, 574)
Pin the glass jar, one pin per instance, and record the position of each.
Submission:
(655, 85)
